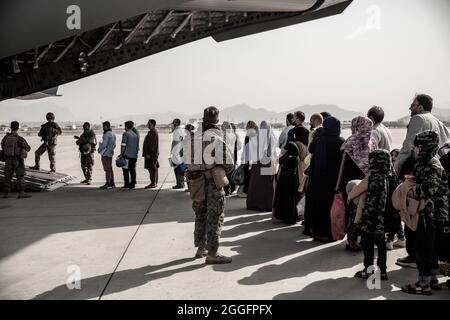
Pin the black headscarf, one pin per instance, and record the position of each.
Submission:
(331, 131)
(331, 127)
(291, 149)
(301, 133)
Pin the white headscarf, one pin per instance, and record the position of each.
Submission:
(267, 142)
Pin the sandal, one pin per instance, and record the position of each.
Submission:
(434, 285)
(362, 275)
(417, 288)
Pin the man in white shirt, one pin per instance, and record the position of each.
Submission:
(283, 139)
(178, 135)
(421, 120)
(381, 135)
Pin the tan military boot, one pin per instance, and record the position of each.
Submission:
(217, 259)
(23, 195)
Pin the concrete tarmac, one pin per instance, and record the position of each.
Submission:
(139, 245)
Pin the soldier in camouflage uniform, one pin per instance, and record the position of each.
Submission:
(48, 133)
(208, 197)
(86, 144)
(14, 150)
(431, 186)
(372, 223)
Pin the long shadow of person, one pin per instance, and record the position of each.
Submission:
(356, 289)
(250, 224)
(274, 243)
(122, 280)
(319, 258)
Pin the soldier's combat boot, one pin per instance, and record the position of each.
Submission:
(35, 167)
(23, 195)
(201, 253)
(5, 196)
(217, 259)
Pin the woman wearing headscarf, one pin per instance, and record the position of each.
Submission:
(356, 166)
(323, 174)
(286, 195)
(230, 139)
(261, 187)
(252, 133)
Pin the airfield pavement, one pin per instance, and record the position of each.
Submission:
(139, 245)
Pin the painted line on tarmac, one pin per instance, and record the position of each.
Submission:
(132, 238)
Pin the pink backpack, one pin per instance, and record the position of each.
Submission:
(337, 213)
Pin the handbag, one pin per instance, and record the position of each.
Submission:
(338, 212)
(238, 176)
(301, 208)
(182, 168)
(121, 162)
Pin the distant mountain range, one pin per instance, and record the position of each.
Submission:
(242, 113)
(35, 113)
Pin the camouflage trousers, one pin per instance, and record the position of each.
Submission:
(209, 215)
(14, 165)
(87, 163)
(51, 150)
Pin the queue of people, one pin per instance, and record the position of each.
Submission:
(386, 197)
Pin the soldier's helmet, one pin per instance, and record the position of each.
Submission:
(86, 149)
(211, 115)
(50, 116)
(427, 141)
(379, 162)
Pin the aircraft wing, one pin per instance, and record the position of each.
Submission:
(52, 92)
(66, 40)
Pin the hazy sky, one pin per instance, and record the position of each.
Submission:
(354, 60)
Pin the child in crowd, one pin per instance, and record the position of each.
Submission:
(371, 224)
(394, 155)
(400, 243)
(431, 186)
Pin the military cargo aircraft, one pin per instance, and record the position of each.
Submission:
(46, 43)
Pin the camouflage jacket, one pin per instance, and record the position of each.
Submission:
(87, 138)
(49, 133)
(14, 145)
(206, 149)
(382, 183)
(432, 185)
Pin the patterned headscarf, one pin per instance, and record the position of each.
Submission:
(428, 144)
(379, 162)
(359, 144)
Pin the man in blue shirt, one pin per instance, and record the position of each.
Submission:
(106, 150)
(130, 150)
